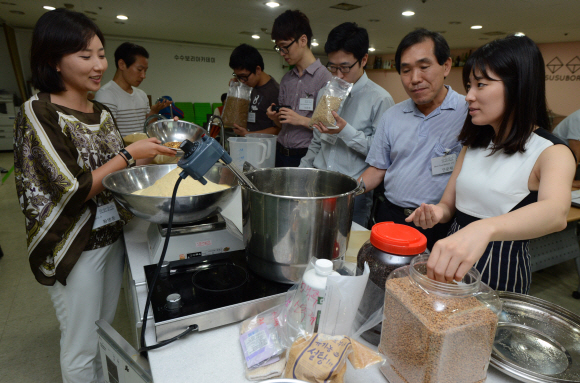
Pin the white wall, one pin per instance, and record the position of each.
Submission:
(181, 79)
(7, 77)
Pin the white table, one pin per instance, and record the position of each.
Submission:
(214, 355)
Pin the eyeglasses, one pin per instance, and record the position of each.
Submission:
(344, 69)
(242, 78)
(283, 50)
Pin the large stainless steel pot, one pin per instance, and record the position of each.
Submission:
(296, 214)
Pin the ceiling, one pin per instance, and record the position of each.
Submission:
(220, 22)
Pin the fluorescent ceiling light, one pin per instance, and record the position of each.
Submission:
(49, 8)
(476, 27)
(255, 37)
(272, 4)
(519, 34)
(122, 17)
(408, 13)
(371, 49)
(314, 44)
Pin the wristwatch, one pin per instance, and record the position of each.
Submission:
(128, 158)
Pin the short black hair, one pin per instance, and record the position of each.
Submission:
(246, 57)
(58, 33)
(442, 52)
(291, 25)
(348, 37)
(223, 97)
(519, 64)
(128, 52)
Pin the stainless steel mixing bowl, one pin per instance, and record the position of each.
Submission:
(156, 209)
(174, 131)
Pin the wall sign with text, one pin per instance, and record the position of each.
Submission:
(199, 59)
(555, 72)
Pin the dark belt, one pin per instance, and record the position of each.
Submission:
(288, 152)
(407, 211)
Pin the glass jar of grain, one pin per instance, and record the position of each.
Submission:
(391, 246)
(434, 331)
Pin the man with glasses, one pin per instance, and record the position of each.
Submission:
(344, 149)
(415, 146)
(248, 66)
(298, 88)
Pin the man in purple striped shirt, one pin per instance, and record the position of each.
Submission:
(298, 88)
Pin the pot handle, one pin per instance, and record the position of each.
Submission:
(360, 188)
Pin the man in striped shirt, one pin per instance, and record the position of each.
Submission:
(129, 105)
(415, 145)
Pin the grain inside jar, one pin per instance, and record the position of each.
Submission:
(431, 338)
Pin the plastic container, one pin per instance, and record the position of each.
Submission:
(434, 331)
(270, 141)
(312, 290)
(391, 246)
(244, 149)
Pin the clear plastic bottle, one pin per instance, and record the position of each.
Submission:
(313, 289)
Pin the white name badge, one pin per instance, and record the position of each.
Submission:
(252, 117)
(306, 104)
(106, 214)
(330, 138)
(442, 165)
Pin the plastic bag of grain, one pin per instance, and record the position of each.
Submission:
(331, 100)
(237, 105)
(321, 358)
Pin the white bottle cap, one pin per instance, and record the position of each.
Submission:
(323, 267)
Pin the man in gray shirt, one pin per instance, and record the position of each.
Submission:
(248, 66)
(345, 148)
(415, 146)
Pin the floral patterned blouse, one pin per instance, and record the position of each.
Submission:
(55, 151)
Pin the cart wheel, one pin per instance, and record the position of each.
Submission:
(576, 295)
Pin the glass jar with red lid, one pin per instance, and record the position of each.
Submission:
(390, 246)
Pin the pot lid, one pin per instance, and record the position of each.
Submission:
(398, 239)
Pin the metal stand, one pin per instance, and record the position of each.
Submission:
(221, 124)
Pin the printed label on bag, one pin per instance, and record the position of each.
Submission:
(106, 214)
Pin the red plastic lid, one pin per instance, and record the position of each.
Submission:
(398, 239)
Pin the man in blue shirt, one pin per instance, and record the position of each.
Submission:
(415, 146)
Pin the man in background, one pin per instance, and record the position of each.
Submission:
(415, 135)
(129, 105)
(569, 131)
(248, 66)
(344, 148)
(298, 88)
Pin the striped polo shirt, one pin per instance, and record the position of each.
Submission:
(129, 109)
(405, 142)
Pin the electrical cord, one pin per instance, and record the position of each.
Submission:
(191, 328)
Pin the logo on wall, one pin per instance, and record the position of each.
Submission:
(574, 64)
(556, 64)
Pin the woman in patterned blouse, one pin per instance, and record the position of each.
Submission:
(64, 144)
